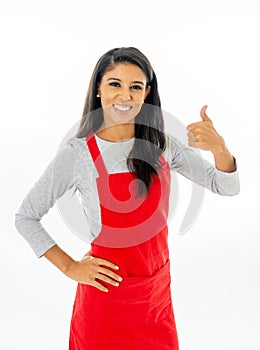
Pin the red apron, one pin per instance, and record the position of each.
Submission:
(139, 313)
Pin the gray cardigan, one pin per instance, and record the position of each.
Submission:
(73, 168)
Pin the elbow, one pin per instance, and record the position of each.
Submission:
(17, 220)
(226, 186)
(20, 222)
(236, 191)
(228, 191)
(231, 194)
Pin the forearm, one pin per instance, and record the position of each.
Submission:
(59, 258)
(190, 164)
(224, 160)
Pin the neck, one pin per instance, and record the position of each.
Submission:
(116, 133)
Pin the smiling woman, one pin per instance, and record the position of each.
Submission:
(123, 297)
(124, 79)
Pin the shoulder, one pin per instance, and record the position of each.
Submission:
(173, 146)
(76, 142)
(71, 150)
(73, 145)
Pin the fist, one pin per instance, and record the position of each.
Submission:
(203, 135)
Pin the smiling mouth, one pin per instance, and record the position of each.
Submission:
(122, 108)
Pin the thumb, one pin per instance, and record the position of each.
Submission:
(203, 114)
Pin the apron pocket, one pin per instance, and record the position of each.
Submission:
(141, 301)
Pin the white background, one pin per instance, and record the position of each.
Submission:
(203, 52)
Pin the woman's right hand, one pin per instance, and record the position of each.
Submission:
(89, 268)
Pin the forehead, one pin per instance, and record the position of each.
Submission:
(125, 71)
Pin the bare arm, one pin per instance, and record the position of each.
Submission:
(224, 160)
(59, 258)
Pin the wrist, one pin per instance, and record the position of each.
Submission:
(220, 148)
(59, 258)
(69, 268)
(224, 161)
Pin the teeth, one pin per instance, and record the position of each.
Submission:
(122, 108)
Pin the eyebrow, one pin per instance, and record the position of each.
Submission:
(133, 82)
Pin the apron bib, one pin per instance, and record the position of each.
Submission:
(139, 313)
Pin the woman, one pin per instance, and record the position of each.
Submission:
(123, 298)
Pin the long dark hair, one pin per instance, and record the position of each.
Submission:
(149, 124)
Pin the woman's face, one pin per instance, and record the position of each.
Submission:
(122, 91)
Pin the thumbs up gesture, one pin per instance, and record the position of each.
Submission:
(203, 135)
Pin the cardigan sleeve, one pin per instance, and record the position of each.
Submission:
(188, 162)
(58, 177)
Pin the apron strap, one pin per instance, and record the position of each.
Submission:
(95, 154)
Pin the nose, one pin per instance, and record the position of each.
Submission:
(125, 95)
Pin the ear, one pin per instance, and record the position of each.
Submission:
(98, 91)
(147, 91)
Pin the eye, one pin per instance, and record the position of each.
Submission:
(114, 84)
(136, 87)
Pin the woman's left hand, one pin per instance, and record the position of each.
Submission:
(203, 135)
